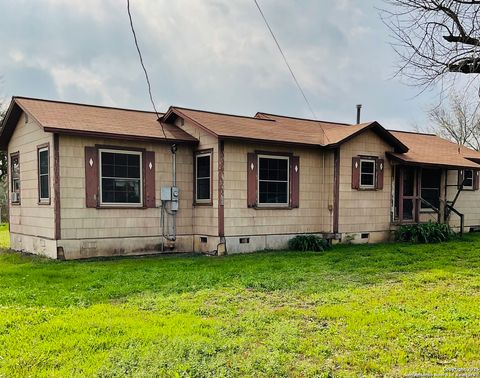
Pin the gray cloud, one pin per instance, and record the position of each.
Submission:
(213, 54)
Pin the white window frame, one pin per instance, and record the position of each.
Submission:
(468, 187)
(40, 198)
(13, 180)
(278, 157)
(374, 174)
(117, 204)
(203, 200)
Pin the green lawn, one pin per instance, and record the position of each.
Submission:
(354, 310)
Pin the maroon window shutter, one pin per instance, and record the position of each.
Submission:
(355, 172)
(460, 178)
(294, 181)
(476, 180)
(91, 176)
(149, 178)
(252, 180)
(380, 167)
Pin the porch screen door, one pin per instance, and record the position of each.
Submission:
(406, 193)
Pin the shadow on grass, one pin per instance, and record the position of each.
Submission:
(32, 281)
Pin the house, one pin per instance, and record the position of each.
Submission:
(90, 181)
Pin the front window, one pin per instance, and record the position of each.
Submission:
(15, 177)
(367, 174)
(203, 177)
(273, 180)
(468, 179)
(120, 177)
(43, 175)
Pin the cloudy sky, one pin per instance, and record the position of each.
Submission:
(209, 54)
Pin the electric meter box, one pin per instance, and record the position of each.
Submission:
(166, 193)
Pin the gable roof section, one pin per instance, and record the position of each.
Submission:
(429, 149)
(335, 133)
(82, 119)
(279, 129)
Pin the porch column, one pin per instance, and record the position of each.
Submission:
(443, 197)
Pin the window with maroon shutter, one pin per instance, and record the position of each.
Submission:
(251, 180)
(294, 181)
(121, 177)
(91, 176)
(149, 181)
(367, 173)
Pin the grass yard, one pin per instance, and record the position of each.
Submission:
(369, 310)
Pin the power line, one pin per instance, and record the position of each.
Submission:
(285, 60)
(144, 69)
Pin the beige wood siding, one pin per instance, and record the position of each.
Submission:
(31, 218)
(79, 222)
(316, 194)
(364, 210)
(205, 217)
(468, 203)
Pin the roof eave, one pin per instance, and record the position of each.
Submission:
(269, 141)
(9, 122)
(438, 165)
(138, 138)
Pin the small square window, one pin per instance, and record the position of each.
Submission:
(367, 174)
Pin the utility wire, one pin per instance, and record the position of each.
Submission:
(285, 60)
(144, 69)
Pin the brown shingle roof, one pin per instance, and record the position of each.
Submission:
(64, 117)
(278, 129)
(430, 149)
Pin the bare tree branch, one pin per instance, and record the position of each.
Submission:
(434, 37)
(459, 121)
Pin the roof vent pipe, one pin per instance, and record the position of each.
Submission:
(359, 110)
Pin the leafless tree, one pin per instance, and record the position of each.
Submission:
(458, 121)
(434, 37)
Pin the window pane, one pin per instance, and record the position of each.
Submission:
(116, 190)
(273, 169)
(408, 209)
(368, 166)
(120, 159)
(44, 190)
(120, 171)
(273, 192)
(203, 166)
(432, 196)
(108, 158)
(367, 179)
(203, 188)
(430, 190)
(408, 181)
(120, 165)
(468, 178)
(43, 161)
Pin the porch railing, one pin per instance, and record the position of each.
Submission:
(448, 209)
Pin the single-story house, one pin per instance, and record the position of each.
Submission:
(88, 181)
